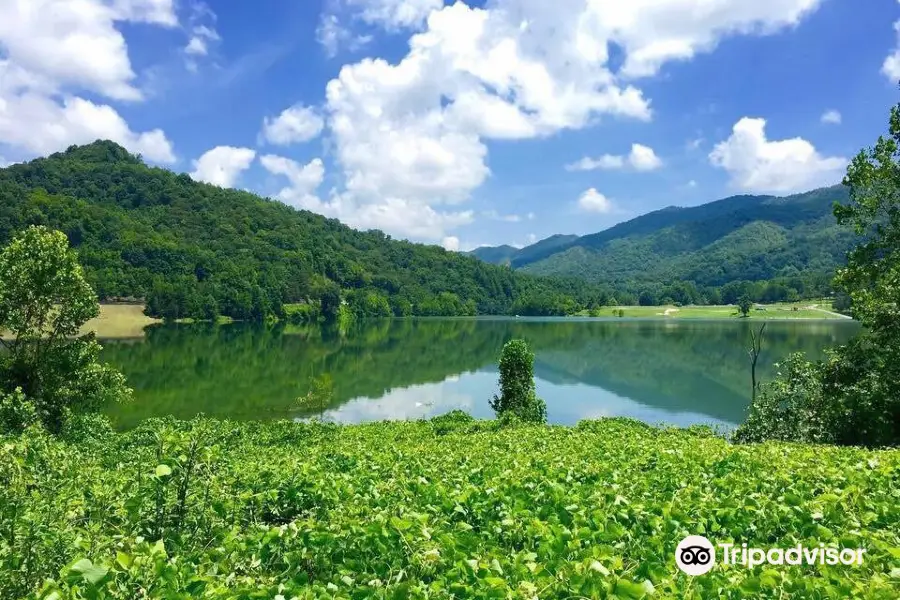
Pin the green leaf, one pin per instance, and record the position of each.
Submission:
(86, 570)
(163, 471)
(124, 560)
(630, 589)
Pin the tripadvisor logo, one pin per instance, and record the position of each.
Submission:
(696, 555)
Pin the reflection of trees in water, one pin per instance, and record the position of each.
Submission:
(679, 366)
(257, 372)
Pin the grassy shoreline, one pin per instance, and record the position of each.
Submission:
(129, 320)
(783, 310)
(450, 507)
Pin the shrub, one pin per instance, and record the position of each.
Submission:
(87, 428)
(517, 393)
(16, 412)
(455, 420)
(851, 398)
(790, 408)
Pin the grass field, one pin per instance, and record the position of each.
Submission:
(795, 310)
(119, 321)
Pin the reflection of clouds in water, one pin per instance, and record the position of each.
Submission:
(566, 403)
(415, 402)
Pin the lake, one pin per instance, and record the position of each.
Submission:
(679, 372)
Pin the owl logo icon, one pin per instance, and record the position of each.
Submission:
(695, 555)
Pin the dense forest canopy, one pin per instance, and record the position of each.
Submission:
(773, 248)
(192, 249)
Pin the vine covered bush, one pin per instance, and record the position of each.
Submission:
(518, 398)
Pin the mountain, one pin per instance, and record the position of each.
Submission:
(503, 255)
(192, 249)
(497, 255)
(748, 238)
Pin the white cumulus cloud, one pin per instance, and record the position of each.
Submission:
(222, 165)
(653, 32)
(333, 35)
(641, 158)
(158, 12)
(294, 125)
(303, 179)
(831, 117)
(450, 243)
(606, 162)
(594, 201)
(495, 216)
(394, 14)
(891, 66)
(54, 49)
(40, 125)
(76, 43)
(410, 134)
(756, 164)
(201, 37)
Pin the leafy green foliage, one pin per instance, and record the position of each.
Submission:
(841, 400)
(44, 299)
(517, 394)
(790, 408)
(745, 305)
(193, 250)
(207, 509)
(16, 411)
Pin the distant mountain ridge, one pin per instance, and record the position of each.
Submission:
(736, 238)
(502, 255)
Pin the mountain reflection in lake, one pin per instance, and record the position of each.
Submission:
(678, 372)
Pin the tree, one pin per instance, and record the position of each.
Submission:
(517, 393)
(648, 298)
(744, 305)
(209, 308)
(44, 300)
(754, 351)
(331, 302)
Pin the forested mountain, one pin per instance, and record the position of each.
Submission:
(192, 249)
(794, 240)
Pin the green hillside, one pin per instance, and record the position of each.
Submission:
(742, 238)
(192, 249)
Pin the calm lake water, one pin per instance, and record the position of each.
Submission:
(677, 372)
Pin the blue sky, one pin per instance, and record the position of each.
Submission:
(461, 124)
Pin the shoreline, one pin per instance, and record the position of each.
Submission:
(128, 321)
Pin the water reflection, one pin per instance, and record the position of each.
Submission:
(679, 372)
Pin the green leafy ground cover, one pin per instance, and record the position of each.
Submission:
(439, 509)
